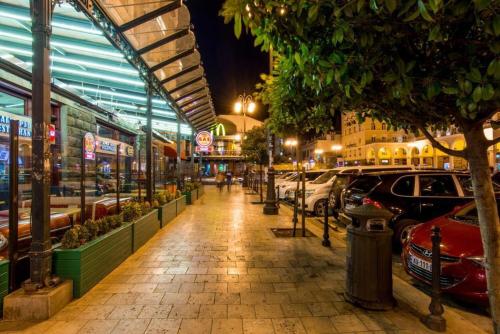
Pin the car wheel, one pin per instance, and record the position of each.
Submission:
(402, 231)
(332, 207)
(319, 208)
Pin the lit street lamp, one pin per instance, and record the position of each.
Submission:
(244, 104)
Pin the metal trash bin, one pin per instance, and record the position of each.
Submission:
(369, 258)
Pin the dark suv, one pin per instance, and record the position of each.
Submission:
(412, 196)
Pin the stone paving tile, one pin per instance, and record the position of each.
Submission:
(258, 326)
(268, 311)
(131, 326)
(227, 298)
(98, 327)
(213, 311)
(227, 326)
(195, 326)
(163, 326)
(155, 312)
(125, 312)
(288, 326)
(66, 327)
(241, 311)
(348, 324)
(318, 325)
(184, 311)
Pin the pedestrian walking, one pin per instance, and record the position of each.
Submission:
(229, 180)
(219, 180)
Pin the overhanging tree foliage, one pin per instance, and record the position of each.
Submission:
(418, 65)
(254, 146)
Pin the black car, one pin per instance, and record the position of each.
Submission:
(412, 196)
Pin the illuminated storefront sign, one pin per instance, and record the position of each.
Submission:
(89, 146)
(204, 139)
(109, 146)
(24, 124)
(219, 130)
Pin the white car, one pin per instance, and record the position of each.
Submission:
(317, 192)
(287, 191)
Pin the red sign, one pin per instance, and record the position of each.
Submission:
(89, 146)
(52, 133)
(204, 138)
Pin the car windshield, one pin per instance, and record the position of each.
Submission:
(468, 214)
(323, 178)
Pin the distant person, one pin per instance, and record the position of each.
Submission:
(219, 180)
(229, 180)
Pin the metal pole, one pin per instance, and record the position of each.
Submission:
(41, 246)
(13, 202)
(149, 147)
(435, 320)
(270, 208)
(326, 237)
(139, 173)
(260, 184)
(178, 164)
(303, 201)
(295, 199)
(155, 154)
(192, 159)
(82, 183)
(118, 208)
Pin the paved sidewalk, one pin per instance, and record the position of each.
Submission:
(217, 268)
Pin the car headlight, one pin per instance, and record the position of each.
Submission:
(4, 242)
(479, 260)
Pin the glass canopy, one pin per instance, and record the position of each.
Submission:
(85, 63)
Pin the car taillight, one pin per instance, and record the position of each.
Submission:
(368, 201)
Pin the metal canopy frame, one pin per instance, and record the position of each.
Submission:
(201, 119)
(186, 84)
(200, 115)
(180, 74)
(185, 104)
(152, 68)
(150, 16)
(172, 59)
(198, 107)
(197, 90)
(168, 39)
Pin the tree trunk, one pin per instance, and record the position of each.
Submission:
(489, 223)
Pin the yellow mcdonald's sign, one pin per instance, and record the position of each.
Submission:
(219, 130)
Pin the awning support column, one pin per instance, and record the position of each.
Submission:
(149, 146)
(178, 164)
(41, 248)
(192, 159)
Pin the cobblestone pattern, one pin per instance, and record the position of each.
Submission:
(217, 268)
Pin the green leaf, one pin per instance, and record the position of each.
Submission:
(434, 5)
(423, 11)
(373, 5)
(237, 25)
(492, 67)
(488, 92)
(412, 16)
(450, 90)
(297, 59)
(329, 77)
(435, 34)
(481, 4)
(474, 75)
(391, 5)
(312, 15)
(360, 4)
(477, 94)
(324, 63)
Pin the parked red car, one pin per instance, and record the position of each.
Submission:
(462, 258)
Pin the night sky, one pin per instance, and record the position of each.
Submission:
(232, 66)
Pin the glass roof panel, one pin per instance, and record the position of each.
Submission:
(178, 65)
(185, 78)
(182, 92)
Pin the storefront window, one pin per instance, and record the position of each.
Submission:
(104, 131)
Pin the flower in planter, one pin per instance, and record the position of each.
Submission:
(75, 237)
(92, 228)
(131, 211)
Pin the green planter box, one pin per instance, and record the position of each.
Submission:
(90, 263)
(167, 213)
(4, 281)
(144, 228)
(181, 204)
(189, 197)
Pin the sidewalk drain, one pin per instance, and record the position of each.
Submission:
(288, 233)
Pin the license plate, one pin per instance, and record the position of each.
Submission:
(421, 263)
(349, 206)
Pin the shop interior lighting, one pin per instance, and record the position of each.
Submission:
(55, 23)
(115, 69)
(97, 76)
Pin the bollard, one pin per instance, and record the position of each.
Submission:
(326, 237)
(435, 320)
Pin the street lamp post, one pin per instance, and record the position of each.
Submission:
(292, 143)
(244, 104)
